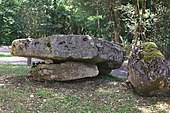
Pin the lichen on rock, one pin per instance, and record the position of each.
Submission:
(148, 70)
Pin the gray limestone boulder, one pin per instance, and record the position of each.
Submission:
(81, 48)
(148, 70)
(64, 71)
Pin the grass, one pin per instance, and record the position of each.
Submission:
(4, 54)
(103, 94)
(10, 69)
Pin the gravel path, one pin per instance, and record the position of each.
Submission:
(5, 48)
(13, 60)
(122, 71)
(16, 60)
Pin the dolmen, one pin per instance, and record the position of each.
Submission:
(69, 57)
(148, 71)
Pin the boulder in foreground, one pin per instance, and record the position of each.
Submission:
(148, 70)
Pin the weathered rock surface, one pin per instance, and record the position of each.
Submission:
(148, 71)
(64, 71)
(71, 48)
(69, 57)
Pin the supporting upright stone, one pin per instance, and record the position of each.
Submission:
(64, 71)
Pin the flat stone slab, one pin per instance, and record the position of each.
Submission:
(71, 48)
(64, 71)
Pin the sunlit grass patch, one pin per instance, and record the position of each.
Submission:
(4, 54)
(8, 69)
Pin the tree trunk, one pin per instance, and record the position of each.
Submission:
(154, 5)
(143, 6)
(98, 20)
(142, 25)
(136, 21)
(111, 22)
(117, 25)
(117, 37)
(137, 9)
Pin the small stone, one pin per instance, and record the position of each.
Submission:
(2, 85)
(32, 96)
(49, 61)
(45, 71)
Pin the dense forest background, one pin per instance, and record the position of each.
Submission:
(113, 20)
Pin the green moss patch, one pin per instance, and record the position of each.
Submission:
(150, 51)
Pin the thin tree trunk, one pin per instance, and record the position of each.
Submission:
(136, 21)
(117, 24)
(137, 8)
(143, 7)
(154, 5)
(114, 16)
(78, 30)
(142, 25)
(98, 20)
(111, 22)
(117, 37)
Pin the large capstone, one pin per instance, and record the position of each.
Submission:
(84, 48)
(64, 71)
(148, 70)
(79, 50)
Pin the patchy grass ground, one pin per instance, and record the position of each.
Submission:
(5, 54)
(103, 94)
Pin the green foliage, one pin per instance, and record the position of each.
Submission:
(160, 29)
(7, 13)
(100, 18)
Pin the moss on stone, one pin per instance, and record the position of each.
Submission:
(150, 51)
(149, 45)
